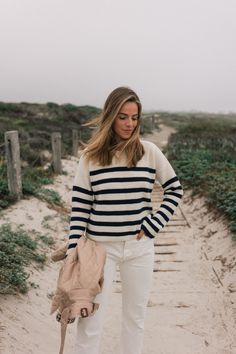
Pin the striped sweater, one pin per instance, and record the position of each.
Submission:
(113, 203)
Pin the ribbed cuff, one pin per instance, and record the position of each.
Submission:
(149, 228)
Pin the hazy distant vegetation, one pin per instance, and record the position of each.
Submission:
(36, 122)
(203, 152)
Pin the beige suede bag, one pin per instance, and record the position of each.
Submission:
(80, 280)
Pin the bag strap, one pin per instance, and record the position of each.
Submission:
(64, 322)
(63, 336)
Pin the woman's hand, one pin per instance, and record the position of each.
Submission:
(140, 235)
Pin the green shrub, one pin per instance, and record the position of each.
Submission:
(9, 107)
(48, 240)
(37, 176)
(51, 105)
(17, 250)
(146, 125)
(49, 195)
(203, 154)
(33, 178)
(5, 197)
(70, 107)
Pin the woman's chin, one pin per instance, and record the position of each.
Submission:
(123, 137)
(126, 136)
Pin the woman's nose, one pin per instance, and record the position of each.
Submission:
(129, 121)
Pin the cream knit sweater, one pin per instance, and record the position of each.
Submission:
(112, 203)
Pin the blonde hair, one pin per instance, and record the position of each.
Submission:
(103, 145)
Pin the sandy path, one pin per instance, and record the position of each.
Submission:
(192, 304)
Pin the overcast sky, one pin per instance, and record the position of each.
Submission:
(176, 54)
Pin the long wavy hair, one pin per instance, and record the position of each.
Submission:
(103, 144)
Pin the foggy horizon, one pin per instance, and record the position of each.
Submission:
(146, 111)
(178, 56)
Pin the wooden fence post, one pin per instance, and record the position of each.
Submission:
(56, 152)
(154, 120)
(75, 142)
(12, 147)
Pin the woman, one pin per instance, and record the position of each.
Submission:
(111, 202)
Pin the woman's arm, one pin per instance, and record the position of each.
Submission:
(173, 192)
(82, 200)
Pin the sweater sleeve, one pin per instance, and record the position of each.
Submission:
(82, 200)
(172, 193)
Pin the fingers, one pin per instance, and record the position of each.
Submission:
(140, 235)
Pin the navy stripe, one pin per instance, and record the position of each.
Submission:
(72, 245)
(118, 169)
(114, 223)
(174, 194)
(147, 233)
(158, 221)
(123, 190)
(82, 190)
(80, 210)
(170, 201)
(120, 212)
(72, 237)
(80, 200)
(151, 224)
(78, 218)
(179, 187)
(174, 188)
(167, 208)
(170, 181)
(163, 215)
(112, 234)
(77, 227)
(122, 180)
(128, 201)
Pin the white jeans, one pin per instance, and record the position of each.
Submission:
(135, 259)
